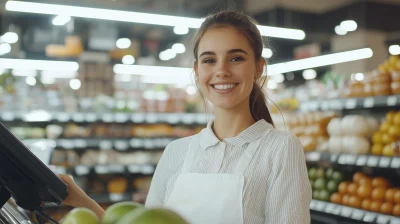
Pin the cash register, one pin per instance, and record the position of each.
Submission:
(25, 178)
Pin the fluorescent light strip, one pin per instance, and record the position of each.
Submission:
(136, 17)
(274, 69)
(25, 64)
(319, 61)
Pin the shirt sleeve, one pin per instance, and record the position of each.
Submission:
(170, 163)
(289, 197)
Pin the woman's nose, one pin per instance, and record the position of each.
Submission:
(222, 69)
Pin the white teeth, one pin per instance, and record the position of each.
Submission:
(224, 86)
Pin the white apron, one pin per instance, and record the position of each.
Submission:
(210, 198)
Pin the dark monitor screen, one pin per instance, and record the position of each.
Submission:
(24, 177)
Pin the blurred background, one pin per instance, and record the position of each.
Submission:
(98, 88)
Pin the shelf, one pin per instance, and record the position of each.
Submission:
(111, 198)
(103, 144)
(355, 160)
(81, 170)
(350, 103)
(86, 117)
(352, 213)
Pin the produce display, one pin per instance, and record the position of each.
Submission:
(324, 182)
(383, 81)
(386, 141)
(311, 129)
(124, 213)
(351, 134)
(376, 194)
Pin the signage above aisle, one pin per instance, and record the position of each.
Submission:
(135, 17)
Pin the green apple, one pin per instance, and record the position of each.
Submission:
(80, 216)
(320, 184)
(329, 173)
(332, 186)
(337, 176)
(324, 195)
(320, 173)
(315, 194)
(118, 210)
(312, 174)
(152, 216)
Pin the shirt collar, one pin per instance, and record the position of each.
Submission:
(252, 133)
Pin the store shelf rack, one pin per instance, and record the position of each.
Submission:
(351, 103)
(82, 170)
(363, 216)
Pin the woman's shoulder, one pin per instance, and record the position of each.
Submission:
(179, 146)
(279, 141)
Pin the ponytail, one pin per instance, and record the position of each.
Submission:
(258, 105)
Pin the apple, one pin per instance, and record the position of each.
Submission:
(118, 210)
(80, 216)
(152, 216)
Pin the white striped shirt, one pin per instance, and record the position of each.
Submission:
(276, 190)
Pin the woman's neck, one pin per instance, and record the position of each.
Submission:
(230, 123)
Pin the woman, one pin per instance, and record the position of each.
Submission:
(239, 169)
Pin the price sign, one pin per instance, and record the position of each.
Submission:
(313, 106)
(81, 170)
(334, 158)
(134, 168)
(395, 220)
(382, 219)
(147, 169)
(66, 144)
(101, 169)
(384, 162)
(151, 118)
(351, 104)
(330, 208)
(107, 118)
(369, 217)
(372, 161)
(173, 118)
(351, 159)
(346, 212)
(336, 105)
(136, 143)
(138, 118)
(63, 117)
(188, 118)
(149, 144)
(362, 160)
(320, 206)
(395, 163)
(105, 145)
(121, 118)
(342, 159)
(357, 214)
(116, 197)
(80, 143)
(391, 101)
(369, 102)
(121, 145)
(116, 168)
(78, 117)
(324, 106)
(91, 117)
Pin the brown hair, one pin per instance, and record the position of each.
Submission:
(247, 26)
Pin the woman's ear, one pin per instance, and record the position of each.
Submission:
(260, 67)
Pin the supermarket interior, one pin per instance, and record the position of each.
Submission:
(98, 88)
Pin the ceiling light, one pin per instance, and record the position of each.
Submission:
(128, 60)
(340, 31)
(309, 74)
(61, 20)
(181, 30)
(150, 70)
(123, 43)
(319, 61)
(5, 48)
(135, 17)
(24, 72)
(10, 37)
(279, 78)
(178, 48)
(75, 84)
(267, 53)
(394, 49)
(30, 80)
(38, 64)
(348, 25)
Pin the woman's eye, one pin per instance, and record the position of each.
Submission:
(237, 59)
(208, 60)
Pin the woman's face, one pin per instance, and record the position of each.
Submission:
(226, 67)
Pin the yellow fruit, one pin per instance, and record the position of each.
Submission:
(396, 119)
(387, 139)
(377, 138)
(384, 127)
(390, 116)
(388, 150)
(394, 131)
(377, 149)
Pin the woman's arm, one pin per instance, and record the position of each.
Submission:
(78, 198)
(288, 199)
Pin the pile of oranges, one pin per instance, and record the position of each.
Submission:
(389, 133)
(374, 194)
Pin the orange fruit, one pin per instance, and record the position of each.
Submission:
(396, 118)
(377, 138)
(364, 191)
(343, 187)
(375, 206)
(397, 196)
(354, 202)
(357, 177)
(352, 189)
(366, 181)
(336, 198)
(388, 150)
(390, 117)
(366, 204)
(380, 182)
(345, 199)
(387, 208)
(378, 194)
(396, 210)
(389, 196)
(377, 149)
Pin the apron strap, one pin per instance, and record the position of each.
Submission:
(248, 155)
(191, 154)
